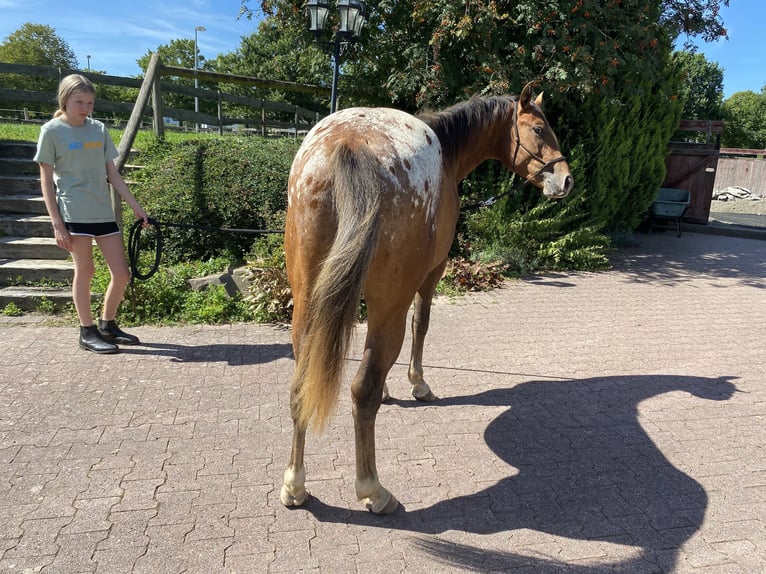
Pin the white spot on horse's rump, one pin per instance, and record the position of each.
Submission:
(409, 152)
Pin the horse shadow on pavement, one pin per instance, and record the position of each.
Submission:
(584, 469)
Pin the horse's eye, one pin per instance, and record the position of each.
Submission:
(538, 130)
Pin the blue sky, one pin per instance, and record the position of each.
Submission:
(116, 33)
(115, 39)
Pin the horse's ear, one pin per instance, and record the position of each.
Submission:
(539, 100)
(526, 95)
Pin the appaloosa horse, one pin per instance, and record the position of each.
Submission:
(372, 208)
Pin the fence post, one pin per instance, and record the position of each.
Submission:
(129, 135)
(159, 123)
(220, 113)
(263, 120)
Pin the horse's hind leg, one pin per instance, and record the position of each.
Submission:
(381, 349)
(421, 318)
(293, 491)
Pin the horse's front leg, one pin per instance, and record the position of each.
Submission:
(421, 318)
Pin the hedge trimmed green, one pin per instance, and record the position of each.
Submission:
(235, 182)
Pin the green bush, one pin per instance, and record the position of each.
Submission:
(167, 297)
(235, 182)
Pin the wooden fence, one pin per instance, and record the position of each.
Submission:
(268, 117)
(742, 168)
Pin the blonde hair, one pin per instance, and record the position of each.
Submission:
(70, 85)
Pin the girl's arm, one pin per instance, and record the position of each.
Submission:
(114, 177)
(63, 238)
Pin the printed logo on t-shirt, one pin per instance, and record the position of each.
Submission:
(86, 145)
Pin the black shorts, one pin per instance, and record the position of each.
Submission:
(93, 229)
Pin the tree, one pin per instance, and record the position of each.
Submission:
(178, 53)
(277, 52)
(701, 87)
(604, 65)
(745, 117)
(35, 45)
(694, 18)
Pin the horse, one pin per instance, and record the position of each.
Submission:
(372, 209)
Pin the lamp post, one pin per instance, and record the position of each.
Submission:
(352, 15)
(196, 81)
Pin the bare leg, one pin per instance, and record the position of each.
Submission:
(113, 250)
(82, 255)
(421, 318)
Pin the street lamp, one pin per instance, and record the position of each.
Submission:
(352, 16)
(196, 81)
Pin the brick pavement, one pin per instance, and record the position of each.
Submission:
(588, 423)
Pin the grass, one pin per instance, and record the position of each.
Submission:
(29, 132)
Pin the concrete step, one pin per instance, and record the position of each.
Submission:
(26, 225)
(30, 298)
(34, 270)
(23, 204)
(16, 166)
(16, 184)
(18, 149)
(31, 248)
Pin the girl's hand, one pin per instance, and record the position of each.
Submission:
(63, 238)
(139, 213)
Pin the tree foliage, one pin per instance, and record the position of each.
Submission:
(701, 86)
(745, 120)
(178, 53)
(277, 51)
(35, 45)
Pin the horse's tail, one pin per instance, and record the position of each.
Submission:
(333, 304)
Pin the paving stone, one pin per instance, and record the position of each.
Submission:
(587, 423)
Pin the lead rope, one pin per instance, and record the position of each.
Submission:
(134, 246)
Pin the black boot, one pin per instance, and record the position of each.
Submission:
(91, 340)
(111, 332)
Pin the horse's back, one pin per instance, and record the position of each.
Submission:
(407, 175)
(408, 151)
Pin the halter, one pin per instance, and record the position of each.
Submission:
(532, 154)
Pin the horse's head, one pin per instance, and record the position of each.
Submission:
(534, 152)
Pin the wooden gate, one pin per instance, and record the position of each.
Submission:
(692, 166)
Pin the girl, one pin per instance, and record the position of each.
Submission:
(76, 154)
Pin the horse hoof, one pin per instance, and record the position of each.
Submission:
(381, 507)
(425, 395)
(289, 498)
(386, 394)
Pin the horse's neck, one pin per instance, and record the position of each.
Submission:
(469, 142)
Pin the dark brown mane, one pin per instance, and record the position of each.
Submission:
(455, 124)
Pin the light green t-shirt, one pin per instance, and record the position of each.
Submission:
(78, 156)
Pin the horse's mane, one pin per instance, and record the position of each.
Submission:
(455, 124)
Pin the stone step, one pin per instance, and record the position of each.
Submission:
(31, 248)
(18, 149)
(16, 166)
(23, 204)
(26, 226)
(15, 184)
(35, 270)
(30, 298)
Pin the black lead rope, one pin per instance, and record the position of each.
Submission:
(134, 242)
